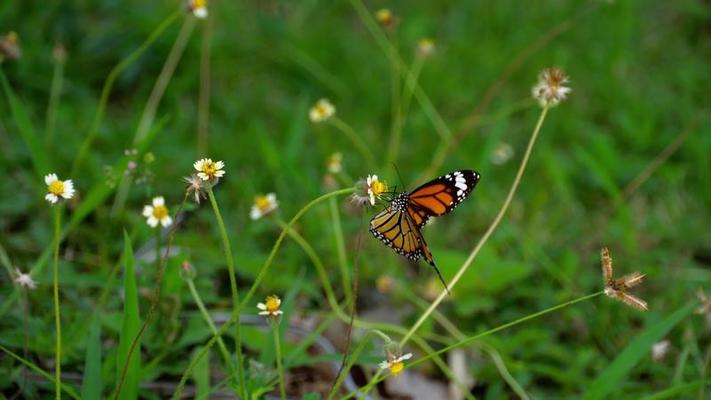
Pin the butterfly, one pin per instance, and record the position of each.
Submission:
(399, 224)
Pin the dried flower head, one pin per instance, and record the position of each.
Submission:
(395, 362)
(57, 189)
(551, 88)
(333, 164)
(617, 288)
(322, 111)
(660, 350)
(157, 213)
(209, 170)
(704, 307)
(425, 47)
(263, 205)
(10, 46)
(386, 18)
(195, 187)
(198, 8)
(24, 280)
(270, 307)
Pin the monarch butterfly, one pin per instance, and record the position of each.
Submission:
(398, 225)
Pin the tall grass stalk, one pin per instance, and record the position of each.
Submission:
(57, 315)
(489, 231)
(233, 288)
(204, 96)
(55, 92)
(149, 111)
(340, 248)
(378, 377)
(108, 84)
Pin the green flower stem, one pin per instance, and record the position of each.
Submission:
(489, 231)
(340, 248)
(378, 376)
(57, 316)
(260, 276)
(208, 320)
(357, 141)
(108, 84)
(280, 370)
(157, 232)
(356, 353)
(389, 50)
(235, 292)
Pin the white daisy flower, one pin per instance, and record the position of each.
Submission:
(321, 111)
(270, 307)
(208, 169)
(25, 280)
(157, 213)
(375, 188)
(198, 8)
(334, 163)
(394, 363)
(58, 190)
(263, 205)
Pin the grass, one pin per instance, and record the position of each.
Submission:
(624, 162)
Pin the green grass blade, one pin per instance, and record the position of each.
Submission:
(27, 131)
(91, 387)
(201, 375)
(611, 378)
(129, 328)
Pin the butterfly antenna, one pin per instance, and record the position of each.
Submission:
(397, 171)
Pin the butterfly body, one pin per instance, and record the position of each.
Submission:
(398, 225)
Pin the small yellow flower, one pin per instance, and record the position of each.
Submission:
(198, 8)
(25, 280)
(263, 205)
(9, 46)
(334, 163)
(376, 188)
(321, 111)
(395, 363)
(58, 190)
(425, 47)
(550, 89)
(270, 307)
(208, 169)
(617, 288)
(157, 213)
(386, 18)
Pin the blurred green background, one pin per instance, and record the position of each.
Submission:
(640, 78)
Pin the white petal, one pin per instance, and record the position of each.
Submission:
(52, 198)
(384, 365)
(264, 313)
(219, 173)
(278, 312)
(147, 211)
(200, 12)
(219, 165)
(203, 176)
(271, 197)
(166, 222)
(278, 301)
(404, 357)
(50, 178)
(197, 165)
(261, 306)
(152, 221)
(158, 201)
(255, 213)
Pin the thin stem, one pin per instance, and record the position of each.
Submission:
(280, 371)
(378, 376)
(57, 315)
(353, 136)
(395, 103)
(411, 81)
(70, 391)
(340, 248)
(208, 320)
(157, 232)
(235, 291)
(250, 293)
(115, 72)
(488, 233)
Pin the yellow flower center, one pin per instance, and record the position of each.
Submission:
(56, 187)
(262, 203)
(160, 212)
(200, 3)
(209, 168)
(378, 187)
(397, 367)
(272, 304)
